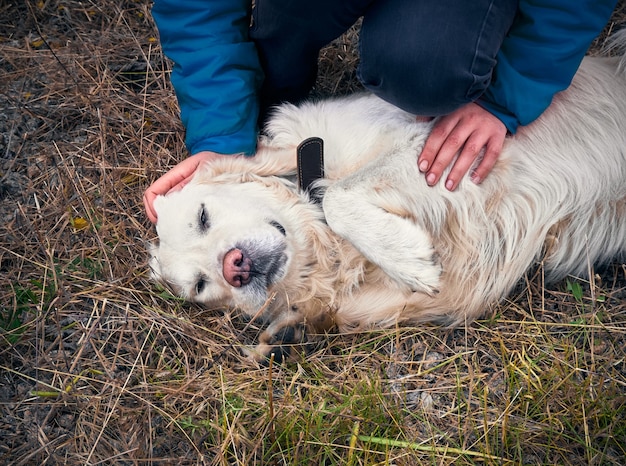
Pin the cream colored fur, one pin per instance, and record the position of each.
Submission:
(386, 248)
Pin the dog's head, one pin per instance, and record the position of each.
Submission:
(230, 240)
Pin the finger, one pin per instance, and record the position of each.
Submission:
(165, 183)
(433, 144)
(492, 153)
(181, 184)
(148, 200)
(175, 176)
(161, 186)
(174, 180)
(448, 151)
(467, 156)
(170, 182)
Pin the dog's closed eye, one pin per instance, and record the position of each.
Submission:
(279, 227)
(200, 284)
(203, 218)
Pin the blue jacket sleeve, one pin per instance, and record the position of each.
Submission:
(540, 56)
(216, 71)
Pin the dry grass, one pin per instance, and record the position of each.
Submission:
(97, 365)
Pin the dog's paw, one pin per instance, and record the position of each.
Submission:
(280, 342)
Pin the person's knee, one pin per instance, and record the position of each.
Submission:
(288, 35)
(423, 82)
(417, 66)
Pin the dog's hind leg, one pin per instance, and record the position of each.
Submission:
(373, 211)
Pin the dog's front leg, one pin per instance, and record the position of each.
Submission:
(292, 331)
(282, 339)
(372, 209)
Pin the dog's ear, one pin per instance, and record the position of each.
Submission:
(267, 161)
(275, 161)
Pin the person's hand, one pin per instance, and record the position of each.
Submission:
(468, 129)
(175, 179)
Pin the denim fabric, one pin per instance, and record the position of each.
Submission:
(289, 35)
(428, 57)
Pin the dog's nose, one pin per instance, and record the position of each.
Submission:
(237, 268)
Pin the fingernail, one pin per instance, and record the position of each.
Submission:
(449, 185)
(475, 179)
(423, 165)
(430, 179)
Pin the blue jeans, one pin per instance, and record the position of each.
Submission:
(428, 57)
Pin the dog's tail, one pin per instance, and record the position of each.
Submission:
(616, 45)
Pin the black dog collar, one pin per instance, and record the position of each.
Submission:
(310, 165)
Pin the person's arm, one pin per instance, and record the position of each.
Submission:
(216, 76)
(216, 71)
(538, 58)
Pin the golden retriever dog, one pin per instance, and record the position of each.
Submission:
(383, 248)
